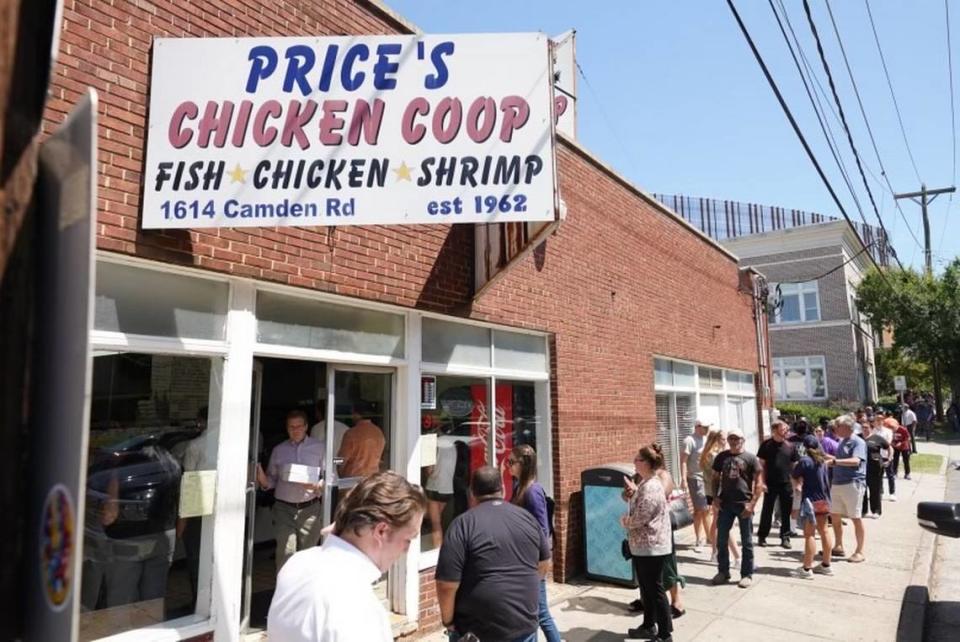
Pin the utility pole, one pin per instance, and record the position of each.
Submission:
(927, 197)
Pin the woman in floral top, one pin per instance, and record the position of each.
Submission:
(648, 531)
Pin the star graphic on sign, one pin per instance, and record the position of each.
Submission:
(403, 172)
(238, 174)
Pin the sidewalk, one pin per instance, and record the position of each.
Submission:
(861, 602)
(943, 611)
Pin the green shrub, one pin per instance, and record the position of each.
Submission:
(812, 412)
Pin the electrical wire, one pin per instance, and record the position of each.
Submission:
(815, 102)
(893, 95)
(866, 121)
(953, 126)
(799, 133)
(843, 118)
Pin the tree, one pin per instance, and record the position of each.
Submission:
(923, 310)
(893, 361)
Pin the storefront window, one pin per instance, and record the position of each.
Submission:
(518, 351)
(293, 321)
(150, 439)
(455, 343)
(134, 300)
(455, 430)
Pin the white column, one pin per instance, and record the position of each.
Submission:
(405, 581)
(232, 454)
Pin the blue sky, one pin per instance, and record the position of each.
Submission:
(675, 101)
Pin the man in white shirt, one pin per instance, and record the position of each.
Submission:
(909, 421)
(326, 593)
(319, 430)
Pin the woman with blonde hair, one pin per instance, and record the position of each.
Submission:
(716, 443)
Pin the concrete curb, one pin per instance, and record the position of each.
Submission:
(916, 597)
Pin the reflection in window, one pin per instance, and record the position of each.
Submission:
(148, 425)
(455, 429)
(800, 302)
(800, 378)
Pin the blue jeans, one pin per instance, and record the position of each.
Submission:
(724, 524)
(544, 617)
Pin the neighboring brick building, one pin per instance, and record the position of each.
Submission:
(617, 330)
(822, 348)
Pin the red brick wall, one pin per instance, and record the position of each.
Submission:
(617, 283)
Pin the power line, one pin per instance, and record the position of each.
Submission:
(866, 121)
(814, 100)
(799, 133)
(893, 95)
(953, 125)
(843, 118)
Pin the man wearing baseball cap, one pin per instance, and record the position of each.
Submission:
(738, 485)
(691, 478)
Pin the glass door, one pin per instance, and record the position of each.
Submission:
(360, 409)
(251, 494)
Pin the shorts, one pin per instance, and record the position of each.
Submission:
(698, 492)
(848, 499)
(434, 496)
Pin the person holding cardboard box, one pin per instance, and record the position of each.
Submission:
(295, 472)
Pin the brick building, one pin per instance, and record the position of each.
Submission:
(618, 329)
(822, 348)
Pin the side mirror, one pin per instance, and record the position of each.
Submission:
(942, 518)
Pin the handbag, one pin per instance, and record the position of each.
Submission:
(625, 549)
(680, 516)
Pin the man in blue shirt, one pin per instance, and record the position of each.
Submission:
(849, 484)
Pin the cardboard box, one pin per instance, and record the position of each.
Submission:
(300, 473)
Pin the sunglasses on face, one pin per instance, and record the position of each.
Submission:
(511, 461)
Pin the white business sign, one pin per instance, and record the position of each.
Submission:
(899, 383)
(350, 131)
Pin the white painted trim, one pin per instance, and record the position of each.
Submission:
(334, 357)
(481, 324)
(179, 629)
(429, 559)
(324, 297)
(232, 456)
(806, 325)
(482, 372)
(123, 342)
(159, 266)
(749, 263)
(407, 587)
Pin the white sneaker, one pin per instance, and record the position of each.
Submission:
(802, 573)
(696, 547)
(892, 498)
(820, 569)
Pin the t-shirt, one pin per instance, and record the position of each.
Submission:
(853, 446)
(909, 418)
(829, 445)
(535, 501)
(692, 449)
(778, 459)
(737, 473)
(876, 445)
(493, 551)
(816, 484)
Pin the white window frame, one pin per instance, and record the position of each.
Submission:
(798, 290)
(809, 362)
(237, 351)
(730, 390)
(428, 559)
